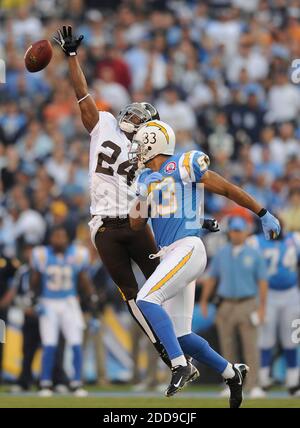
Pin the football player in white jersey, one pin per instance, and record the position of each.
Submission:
(111, 174)
(169, 191)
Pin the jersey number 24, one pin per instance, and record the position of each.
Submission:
(124, 169)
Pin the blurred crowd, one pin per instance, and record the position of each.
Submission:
(219, 72)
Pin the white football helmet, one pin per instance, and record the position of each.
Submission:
(152, 139)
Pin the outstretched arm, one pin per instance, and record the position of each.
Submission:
(217, 184)
(87, 105)
(69, 44)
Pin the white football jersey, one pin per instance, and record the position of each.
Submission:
(110, 172)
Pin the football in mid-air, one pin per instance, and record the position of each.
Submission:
(38, 56)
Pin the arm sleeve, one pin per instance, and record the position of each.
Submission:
(192, 166)
(200, 165)
(143, 175)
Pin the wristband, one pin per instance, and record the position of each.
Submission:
(83, 98)
(262, 212)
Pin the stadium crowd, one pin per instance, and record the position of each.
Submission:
(218, 75)
(219, 72)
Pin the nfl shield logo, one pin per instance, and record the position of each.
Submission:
(171, 167)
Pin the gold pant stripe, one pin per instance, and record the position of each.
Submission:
(122, 294)
(171, 273)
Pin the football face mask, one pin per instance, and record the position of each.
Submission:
(136, 153)
(132, 117)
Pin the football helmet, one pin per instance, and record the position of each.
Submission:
(136, 114)
(152, 139)
(152, 110)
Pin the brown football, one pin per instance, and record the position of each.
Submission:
(38, 56)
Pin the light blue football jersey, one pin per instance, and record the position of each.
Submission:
(177, 201)
(59, 272)
(282, 259)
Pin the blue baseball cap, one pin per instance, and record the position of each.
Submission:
(238, 224)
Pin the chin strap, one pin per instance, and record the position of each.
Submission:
(140, 165)
(127, 127)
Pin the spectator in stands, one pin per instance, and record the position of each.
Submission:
(242, 278)
(291, 214)
(175, 112)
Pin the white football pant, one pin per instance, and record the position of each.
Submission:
(283, 307)
(61, 315)
(172, 285)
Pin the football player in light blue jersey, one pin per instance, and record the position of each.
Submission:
(56, 270)
(283, 306)
(170, 191)
(181, 175)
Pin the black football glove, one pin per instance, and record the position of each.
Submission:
(67, 41)
(211, 225)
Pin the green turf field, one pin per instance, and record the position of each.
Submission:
(123, 396)
(130, 402)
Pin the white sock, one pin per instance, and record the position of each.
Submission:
(228, 373)
(292, 377)
(264, 377)
(179, 361)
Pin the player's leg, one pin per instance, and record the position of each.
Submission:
(226, 327)
(141, 245)
(182, 263)
(249, 339)
(112, 245)
(289, 312)
(100, 357)
(60, 378)
(31, 343)
(49, 330)
(180, 308)
(72, 326)
(267, 339)
(3, 317)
